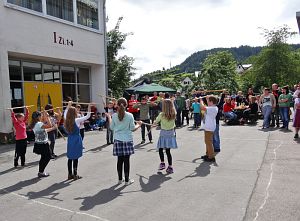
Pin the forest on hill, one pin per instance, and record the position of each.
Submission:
(194, 62)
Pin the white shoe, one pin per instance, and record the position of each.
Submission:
(129, 182)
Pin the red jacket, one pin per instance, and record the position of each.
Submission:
(228, 107)
(20, 126)
(130, 106)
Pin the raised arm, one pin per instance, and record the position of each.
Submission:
(84, 118)
(202, 106)
(13, 116)
(26, 114)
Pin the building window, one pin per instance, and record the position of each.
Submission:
(68, 74)
(69, 90)
(87, 13)
(51, 73)
(83, 75)
(83, 93)
(32, 71)
(15, 70)
(16, 94)
(61, 9)
(35, 5)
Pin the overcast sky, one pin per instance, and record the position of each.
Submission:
(166, 32)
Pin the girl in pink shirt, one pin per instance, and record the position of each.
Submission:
(19, 121)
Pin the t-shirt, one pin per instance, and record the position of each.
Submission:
(266, 101)
(20, 126)
(287, 103)
(164, 123)
(144, 111)
(209, 120)
(41, 136)
(123, 129)
(196, 107)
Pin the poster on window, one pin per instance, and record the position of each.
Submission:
(18, 93)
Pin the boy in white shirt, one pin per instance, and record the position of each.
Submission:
(209, 126)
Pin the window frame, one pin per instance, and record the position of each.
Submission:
(44, 14)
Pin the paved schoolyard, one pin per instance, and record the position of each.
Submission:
(256, 177)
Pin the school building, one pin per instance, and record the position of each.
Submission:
(49, 50)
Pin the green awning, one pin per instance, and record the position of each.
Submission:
(150, 88)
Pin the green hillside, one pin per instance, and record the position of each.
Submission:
(194, 61)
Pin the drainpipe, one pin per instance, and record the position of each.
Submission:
(105, 47)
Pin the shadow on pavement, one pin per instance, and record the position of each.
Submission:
(18, 186)
(97, 149)
(202, 170)
(27, 165)
(154, 182)
(102, 197)
(50, 192)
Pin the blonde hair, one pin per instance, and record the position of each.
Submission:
(168, 109)
(122, 104)
(70, 119)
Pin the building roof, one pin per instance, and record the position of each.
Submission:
(298, 19)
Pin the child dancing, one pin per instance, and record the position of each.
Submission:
(167, 138)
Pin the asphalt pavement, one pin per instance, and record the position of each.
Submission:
(255, 177)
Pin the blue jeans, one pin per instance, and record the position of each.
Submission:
(216, 138)
(284, 112)
(197, 119)
(230, 115)
(267, 111)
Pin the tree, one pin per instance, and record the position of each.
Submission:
(277, 62)
(219, 71)
(120, 68)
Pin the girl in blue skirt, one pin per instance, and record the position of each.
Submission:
(74, 146)
(167, 138)
(122, 124)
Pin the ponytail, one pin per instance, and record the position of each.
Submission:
(121, 112)
(122, 104)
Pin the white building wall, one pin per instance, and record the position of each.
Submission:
(27, 36)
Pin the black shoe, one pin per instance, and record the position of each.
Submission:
(204, 157)
(272, 125)
(296, 136)
(210, 159)
(143, 141)
(16, 163)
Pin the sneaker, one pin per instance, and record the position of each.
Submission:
(41, 175)
(162, 166)
(129, 182)
(169, 169)
(121, 181)
(143, 141)
(210, 159)
(296, 136)
(150, 141)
